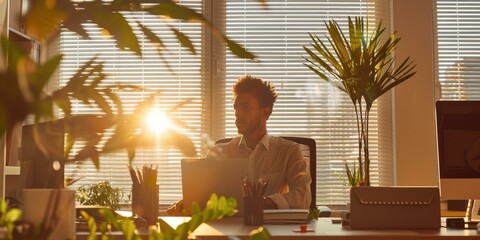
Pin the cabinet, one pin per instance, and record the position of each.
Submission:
(12, 27)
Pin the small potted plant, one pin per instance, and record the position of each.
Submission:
(100, 194)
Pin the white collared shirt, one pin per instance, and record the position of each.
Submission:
(281, 162)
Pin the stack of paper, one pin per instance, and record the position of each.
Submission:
(283, 216)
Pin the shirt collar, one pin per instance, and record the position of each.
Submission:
(264, 141)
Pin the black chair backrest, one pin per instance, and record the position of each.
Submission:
(309, 151)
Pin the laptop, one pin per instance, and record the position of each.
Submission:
(203, 176)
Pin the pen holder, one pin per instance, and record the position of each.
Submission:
(253, 210)
(145, 202)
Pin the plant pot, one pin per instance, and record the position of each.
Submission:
(50, 211)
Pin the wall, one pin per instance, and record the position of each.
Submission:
(414, 100)
(3, 26)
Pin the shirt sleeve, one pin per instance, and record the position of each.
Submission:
(298, 180)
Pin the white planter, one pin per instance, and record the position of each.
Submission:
(53, 207)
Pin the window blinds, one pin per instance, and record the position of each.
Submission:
(307, 106)
(458, 58)
(178, 82)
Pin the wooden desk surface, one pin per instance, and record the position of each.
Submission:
(325, 229)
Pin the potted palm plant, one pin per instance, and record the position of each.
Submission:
(363, 66)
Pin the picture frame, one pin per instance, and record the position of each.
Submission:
(475, 210)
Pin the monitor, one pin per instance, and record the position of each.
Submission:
(458, 146)
(41, 162)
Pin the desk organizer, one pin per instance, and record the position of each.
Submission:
(394, 208)
(145, 202)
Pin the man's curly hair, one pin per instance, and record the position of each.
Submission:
(262, 90)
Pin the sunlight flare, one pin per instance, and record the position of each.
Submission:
(157, 121)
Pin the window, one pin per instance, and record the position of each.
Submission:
(458, 33)
(307, 106)
(177, 84)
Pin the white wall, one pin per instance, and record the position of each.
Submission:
(414, 100)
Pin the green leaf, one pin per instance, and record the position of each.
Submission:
(239, 50)
(353, 176)
(3, 206)
(260, 233)
(158, 43)
(115, 98)
(12, 50)
(184, 40)
(313, 213)
(119, 28)
(175, 11)
(182, 231)
(12, 215)
(165, 228)
(195, 221)
(179, 141)
(91, 223)
(128, 229)
(43, 73)
(79, 78)
(195, 208)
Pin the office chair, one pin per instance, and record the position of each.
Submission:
(308, 146)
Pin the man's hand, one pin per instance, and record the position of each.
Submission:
(268, 203)
(176, 209)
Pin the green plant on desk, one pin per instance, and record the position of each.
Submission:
(102, 194)
(216, 208)
(313, 213)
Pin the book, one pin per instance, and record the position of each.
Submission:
(283, 216)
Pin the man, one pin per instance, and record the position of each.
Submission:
(275, 158)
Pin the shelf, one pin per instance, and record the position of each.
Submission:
(15, 34)
(12, 170)
(453, 213)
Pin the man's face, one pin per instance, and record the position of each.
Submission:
(249, 116)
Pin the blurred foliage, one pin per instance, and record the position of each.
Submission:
(8, 217)
(46, 16)
(216, 208)
(22, 93)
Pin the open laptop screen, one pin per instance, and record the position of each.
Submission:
(203, 176)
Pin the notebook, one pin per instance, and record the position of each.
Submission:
(203, 176)
(285, 216)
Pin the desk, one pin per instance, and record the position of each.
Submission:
(323, 229)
